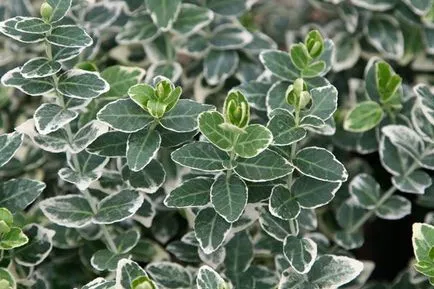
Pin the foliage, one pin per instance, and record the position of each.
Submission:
(191, 144)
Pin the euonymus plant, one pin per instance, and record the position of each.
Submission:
(213, 144)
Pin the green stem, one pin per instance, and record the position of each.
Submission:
(293, 147)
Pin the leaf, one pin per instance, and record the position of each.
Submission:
(50, 117)
(365, 190)
(33, 26)
(229, 36)
(99, 16)
(148, 180)
(82, 84)
(425, 101)
(171, 70)
(254, 141)
(207, 278)
(17, 194)
(38, 248)
(69, 36)
(191, 193)
(349, 52)
(405, 139)
(420, 7)
(324, 102)
(61, 53)
(282, 205)
(192, 19)
(319, 164)
(284, 129)
(72, 211)
(423, 241)
(183, 117)
(125, 116)
(139, 29)
(300, 253)
(164, 12)
(280, 64)
(255, 92)
(210, 230)
(300, 56)
(184, 252)
(266, 166)
(126, 241)
(60, 8)
(40, 86)
(126, 272)
(314, 69)
(416, 182)
(394, 160)
(14, 238)
(118, 207)
(121, 78)
(363, 117)
(276, 227)
(9, 145)
(348, 240)
(7, 27)
(219, 65)
(229, 197)
(348, 214)
(104, 260)
(393, 44)
(333, 271)
(227, 7)
(86, 135)
(81, 180)
(395, 208)
(210, 125)
(6, 276)
(170, 275)
(311, 193)
(375, 5)
(239, 253)
(142, 147)
(109, 144)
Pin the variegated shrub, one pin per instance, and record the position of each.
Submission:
(213, 144)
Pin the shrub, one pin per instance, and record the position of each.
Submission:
(212, 144)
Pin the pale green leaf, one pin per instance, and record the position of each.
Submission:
(50, 117)
(363, 117)
(121, 78)
(300, 253)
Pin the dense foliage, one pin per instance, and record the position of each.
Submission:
(212, 144)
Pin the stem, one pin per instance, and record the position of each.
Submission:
(293, 146)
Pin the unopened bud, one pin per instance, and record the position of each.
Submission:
(236, 109)
(46, 11)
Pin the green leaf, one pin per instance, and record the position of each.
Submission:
(319, 164)
(282, 205)
(139, 29)
(118, 207)
(125, 116)
(227, 7)
(300, 253)
(219, 65)
(82, 84)
(207, 278)
(375, 5)
(254, 141)
(7, 27)
(348, 214)
(388, 82)
(7, 278)
(104, 260)
(266, 166)
(40, 86)
(86, 135)
(210, 229)
(255, 92)
(183, 117)
(13, 239)
(191, 193)
(276, 227)
(50, 117)
(170, 275)
(17, 194)
(384, 34)
(395, 208)
(192, 19)
(363, 117)
(349, 52)
(121, 78)
(109, 144)
(300, 56)
(405, 139)
(416, 182)
(420, 7)
(38, 248)
(425, 101)
(423, 241)
(311, 193)
(33, 26)
(126, 241)
(147, 180)
(280, 64)
(60, 8)
(348, 240)
(126, 272)
(365, 190)
(229, 36)
(9, 144)
(314, 69)
(333, 271)
(276, 98)
(284, 130)
(239, 253)
(142, 147)
(164, 12)
(394, 160)
(72, 211)
(324, 102)
(69, 36)
(210, 125)
(229, 197)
